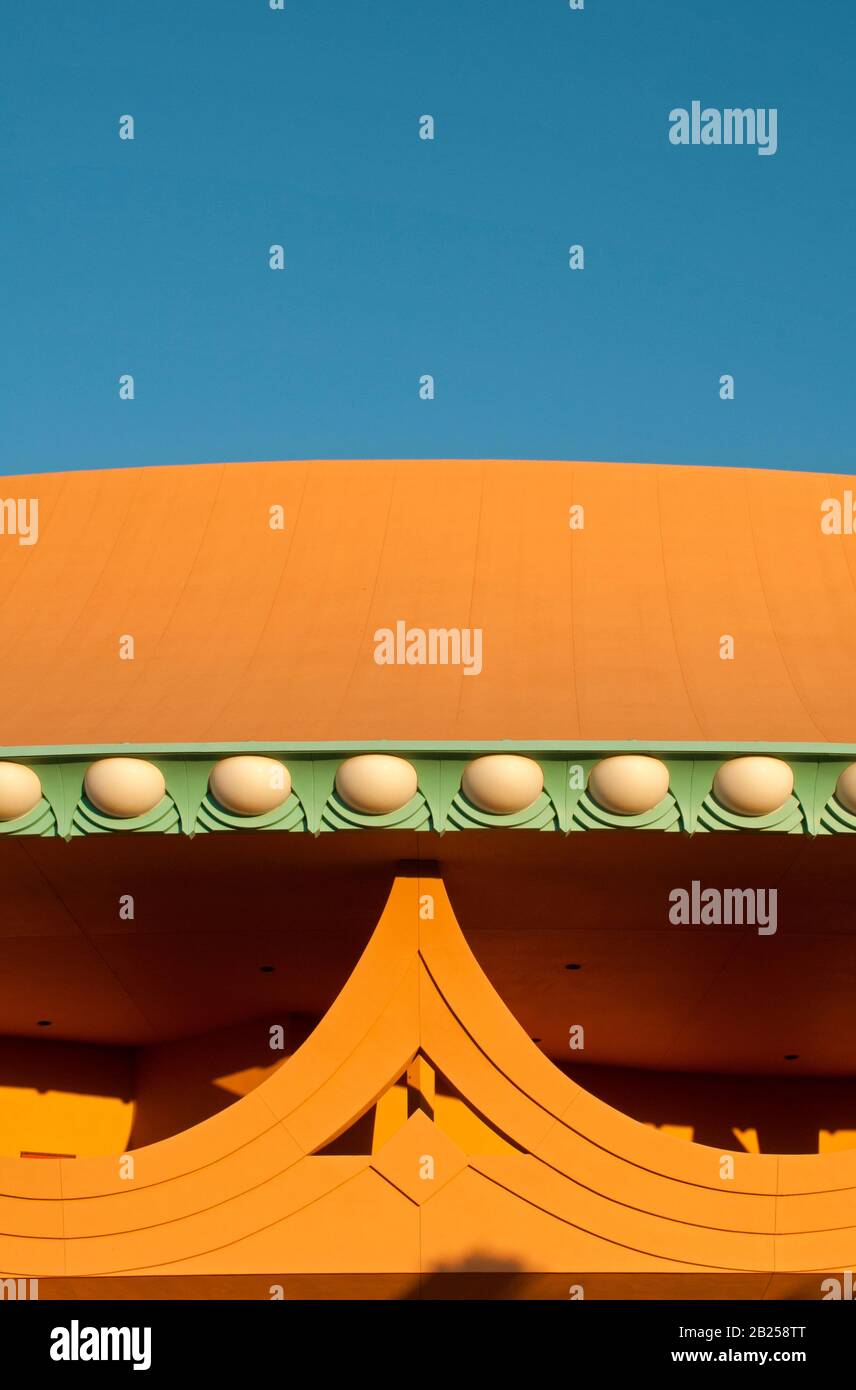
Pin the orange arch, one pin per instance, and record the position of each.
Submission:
(247, 1192)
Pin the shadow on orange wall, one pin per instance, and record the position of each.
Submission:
(179, 1084)
(64, 1098)
(83, 1099)
(788, 1115)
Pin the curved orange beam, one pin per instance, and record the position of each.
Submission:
(248, 1191)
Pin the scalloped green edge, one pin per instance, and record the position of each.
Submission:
(185, 767)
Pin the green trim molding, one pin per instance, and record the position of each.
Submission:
(439, 804)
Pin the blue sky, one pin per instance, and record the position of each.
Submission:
(406, 256)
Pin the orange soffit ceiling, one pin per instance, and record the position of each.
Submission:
(436, 600)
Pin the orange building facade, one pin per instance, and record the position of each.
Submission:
(427, 879)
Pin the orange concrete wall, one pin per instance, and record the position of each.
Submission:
(178, 1084)
(64, 1098)
(762, 1114)
(82, 1100)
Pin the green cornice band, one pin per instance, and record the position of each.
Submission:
(433, 748)
(439, 804)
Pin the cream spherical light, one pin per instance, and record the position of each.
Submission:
(376, 783)
(845, 788)
(248, 785)
(20, 791)
(502, 783)
(629, 784)
(753, 786)
(124, 787)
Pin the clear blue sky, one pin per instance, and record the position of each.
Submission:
(406, 256)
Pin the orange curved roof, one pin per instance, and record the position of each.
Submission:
(243, 632)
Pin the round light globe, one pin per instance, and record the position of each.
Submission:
(629, 784)
(502, 783)
(20, 791)
(754, 785)
(375, 784)
(845, 788)
(249, 785)
(124, 787)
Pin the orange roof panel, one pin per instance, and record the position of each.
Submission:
(243, 632)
